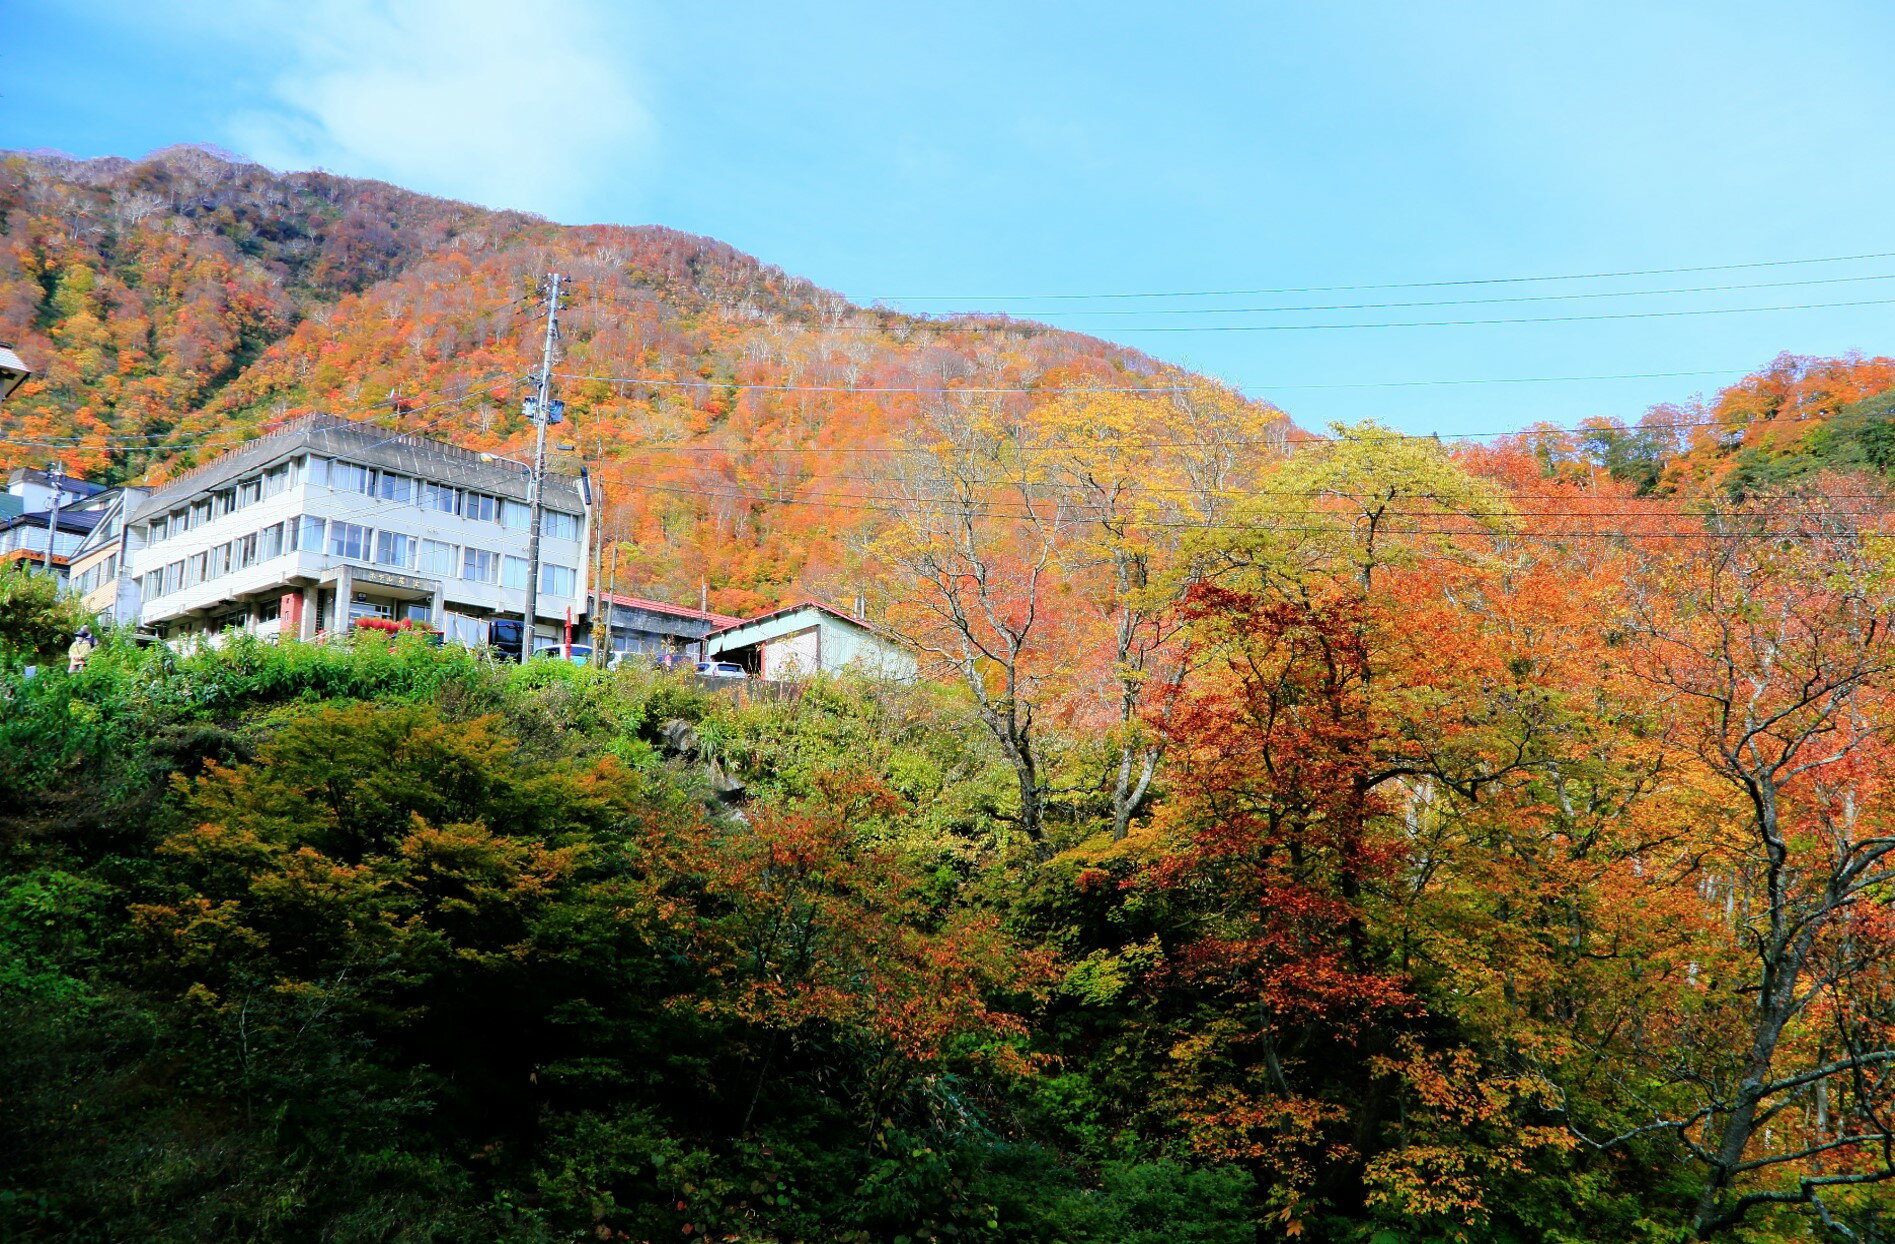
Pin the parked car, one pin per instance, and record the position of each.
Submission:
(578, 654)
(720, 669)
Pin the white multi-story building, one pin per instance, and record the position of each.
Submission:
(327, 521)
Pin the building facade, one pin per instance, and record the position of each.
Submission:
(100, 571)
(327, 521)
(811, 638)
(654, 629)
(28, 523)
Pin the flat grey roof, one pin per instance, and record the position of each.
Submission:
(371, 445)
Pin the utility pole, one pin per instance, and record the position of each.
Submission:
(601, 625)
(53, 475)
(612, 608)
(704, 610)
(536, 491)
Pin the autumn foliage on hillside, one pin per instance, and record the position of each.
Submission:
(742, 420)
(183, 302)
(1329, 839)
(1333, 836)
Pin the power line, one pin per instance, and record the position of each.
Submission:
(1531, 431)
(1654, 509)
(1338, 289)
(1473, 302)
(1522, 319)
(997, 323)
(958, 511)
(1133, 491)
(213, 441)
(662, 382)
(1309, 439)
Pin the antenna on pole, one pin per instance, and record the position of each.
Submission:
(541, 411)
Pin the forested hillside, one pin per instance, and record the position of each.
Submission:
(182, 301)
(1344, 837)
(738, 415)
(1510, 863)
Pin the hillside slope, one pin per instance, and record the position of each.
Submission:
(177, 303)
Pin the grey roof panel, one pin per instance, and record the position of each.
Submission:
(373, 446)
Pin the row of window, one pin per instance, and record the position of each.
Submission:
(95, 574)
(355, 542)
(343, 476)
(32, 536)
(224, 501)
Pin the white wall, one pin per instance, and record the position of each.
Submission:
(330, 504)
(793, 656)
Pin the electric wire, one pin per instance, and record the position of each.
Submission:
(1522, 319)
(1308, 440)
(1040, 390)
(1337, 289)
(909, 509)
(1305, 439)
(210, 440)
(1471, 302)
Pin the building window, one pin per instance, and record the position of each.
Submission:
(270, 542)
(516, 514)
(394, 549)
(439, 497)
(247, 551)
(351, 477)
(478, 505)
(397, 488)
(156, 531)
(249, 492)
(437, 557)
(310, 537)
(111, 566)
(173, 577)
(348, 540)
(223, 501)
(194, 569)
(513, 572)
(270, 611)
(220, 561)
(559, 525)
(557, 580)
(275, 480)
(479, 566)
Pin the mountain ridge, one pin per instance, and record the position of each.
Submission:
(180, 301)
(177, 303)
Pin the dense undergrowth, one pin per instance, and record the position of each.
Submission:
(393, 942)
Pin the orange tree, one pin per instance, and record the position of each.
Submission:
(1765, 640)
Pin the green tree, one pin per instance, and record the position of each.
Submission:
(36, 620)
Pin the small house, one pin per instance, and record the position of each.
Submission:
(799, 640)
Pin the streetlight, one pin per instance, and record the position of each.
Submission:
(13, 372)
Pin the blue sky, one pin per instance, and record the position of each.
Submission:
(959, 156)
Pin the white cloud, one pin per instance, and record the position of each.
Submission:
(507, 105)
